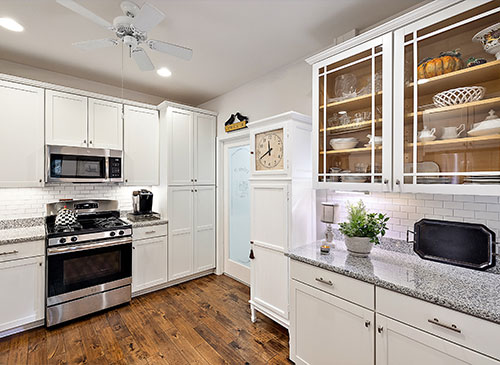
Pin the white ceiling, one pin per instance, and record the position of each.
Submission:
(234, 41)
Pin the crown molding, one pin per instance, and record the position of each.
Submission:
(291, 115)
(389, 26)
(165, 104)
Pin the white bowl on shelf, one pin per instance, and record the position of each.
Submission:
(343, 143)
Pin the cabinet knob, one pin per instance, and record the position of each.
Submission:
(84, 141)
(367, 324)
(40, 180)
(398, 182)
(126, 180)
(251, 152)
(386, 181)
(252, 256)
(90, 142)
(380, 329)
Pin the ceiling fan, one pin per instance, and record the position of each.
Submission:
(131, 29)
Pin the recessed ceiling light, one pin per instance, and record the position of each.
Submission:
(11, 24)
(164, 72)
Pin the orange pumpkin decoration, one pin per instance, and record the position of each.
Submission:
(445, 63)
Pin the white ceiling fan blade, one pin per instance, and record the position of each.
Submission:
(148, 18)
(142, 59)
(172, 49)
(77, 8)
(96, 44)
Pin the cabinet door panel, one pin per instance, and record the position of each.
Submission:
(65, 119)
(204, 149)
(180, 232)
(141, 146)
(149, 263)
(105, 124)
(269, 215)
(180, 147)
(327, 330)
(269, 280)
(204, 233)
(22, 285)
(21, 128)
(401, 344)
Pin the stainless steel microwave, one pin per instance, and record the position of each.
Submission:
(83, 165)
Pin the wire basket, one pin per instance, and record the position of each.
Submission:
(460, 95)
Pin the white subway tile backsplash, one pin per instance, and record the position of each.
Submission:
(463, 198)
(434, 203)
(475, 206)
(486, 199)
(463, 213)
(454, 205)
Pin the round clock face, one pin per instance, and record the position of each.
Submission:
(269, 149)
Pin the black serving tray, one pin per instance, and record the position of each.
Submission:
(455, 243)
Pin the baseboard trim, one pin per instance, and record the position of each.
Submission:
(22, 328)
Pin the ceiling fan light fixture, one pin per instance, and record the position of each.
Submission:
(164, 72)
(11, 24)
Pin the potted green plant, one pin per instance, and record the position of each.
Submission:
(362, 229)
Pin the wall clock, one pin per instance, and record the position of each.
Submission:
(269, 150)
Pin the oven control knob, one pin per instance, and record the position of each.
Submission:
(74, 239)
(62, 240)
(121, 233)
(112, 234)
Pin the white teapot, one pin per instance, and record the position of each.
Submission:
(426, 135)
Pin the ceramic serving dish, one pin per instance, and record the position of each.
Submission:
(491, 125)
(343, 143)
(490, 39)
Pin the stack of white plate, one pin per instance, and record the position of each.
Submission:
(434, 180)
(490, 179)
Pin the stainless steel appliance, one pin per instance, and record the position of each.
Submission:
(83, 165)
(142, 201)
(89, 262)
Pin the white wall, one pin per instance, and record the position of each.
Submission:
(290, 89)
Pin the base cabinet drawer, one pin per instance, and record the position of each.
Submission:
(16, 251)
(22, 284)
(399, 344)
(353, 290)
(150, 231)
(468, 331)
(326, 330)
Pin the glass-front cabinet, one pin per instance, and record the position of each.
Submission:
(352, 116)
(447, 102)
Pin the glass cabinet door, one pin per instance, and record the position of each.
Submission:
(448, 97)
(353, 126)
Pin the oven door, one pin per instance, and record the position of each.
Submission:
(79, 270)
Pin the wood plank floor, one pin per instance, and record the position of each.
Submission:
(204, 321)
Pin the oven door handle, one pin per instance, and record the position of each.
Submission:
(86, 246)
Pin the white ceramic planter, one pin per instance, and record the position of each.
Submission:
(358, 246)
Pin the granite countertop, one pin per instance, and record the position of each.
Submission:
(146, 223)
(21, 230)
(469, 291)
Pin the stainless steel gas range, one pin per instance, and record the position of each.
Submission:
(89, 262)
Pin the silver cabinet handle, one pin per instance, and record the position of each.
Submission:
(451, 327)
(327, 282)
(150, 232)
(380, 329)
(367, 324)
(9, 253)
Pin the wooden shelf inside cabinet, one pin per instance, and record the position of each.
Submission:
(484, 102)
(467, 76)
(440, 142)
(350, 150)
(352, 127)
(357, 102)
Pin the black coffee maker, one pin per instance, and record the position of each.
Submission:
(142, 201)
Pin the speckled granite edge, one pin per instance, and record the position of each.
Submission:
(489, 312)
(22, 223)
(22, 234)
(156, 222)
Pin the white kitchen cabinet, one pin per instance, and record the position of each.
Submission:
(180, 233)
(204, 228)
(327, 330)
(22, 284)
(65, 119)
(191, 147)
(191, 215)
(205, 127)
(397, 343)
(141, 146)
(105, 124)
(149, 262)
(22, 131)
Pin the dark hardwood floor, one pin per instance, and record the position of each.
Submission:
(204, 321)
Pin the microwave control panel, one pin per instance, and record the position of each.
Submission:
(115, 167)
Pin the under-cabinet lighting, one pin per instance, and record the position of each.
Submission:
(164, 72)
(351, 192)
(11, 24)
(342, 112)
(422, 81)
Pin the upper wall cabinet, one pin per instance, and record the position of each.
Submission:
(141, 146)
(447, 101)
(191, 147)
(65, 119)
(21, 130)
(352, 116)
(105, 124)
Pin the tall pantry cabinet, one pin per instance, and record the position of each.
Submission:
(189, 182)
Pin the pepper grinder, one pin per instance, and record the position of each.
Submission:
(327, 216)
